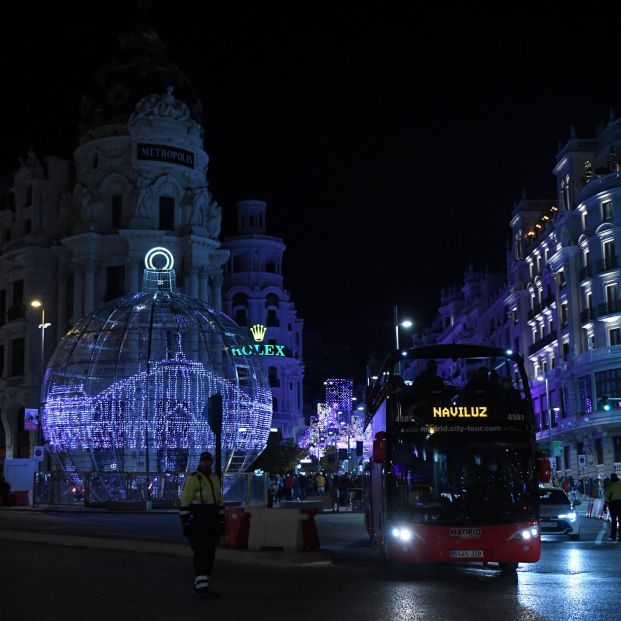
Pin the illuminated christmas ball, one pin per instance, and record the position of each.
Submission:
(127, 388)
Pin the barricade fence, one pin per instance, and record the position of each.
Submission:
(99, 489)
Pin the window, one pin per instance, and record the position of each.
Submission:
(27, 226)
(615, 336)
(607, 211)
(584, 221)
(599, 451)
(608, 382)
(616, 446)
(564, 314)
(566, 457)
(2, 306)
(586, 394)
(270, 267)
(609, 254)
(272, 319)
(538, 264)
(115, 279)
(117, 211)
(1, 361)
(562, 281)
(516, 315)
(273, 377)
(586, 258)
(167, 213)
(241, 318)
(7, 234)
(18, 356)
(18, 293)
(565, 350)
(611, 298)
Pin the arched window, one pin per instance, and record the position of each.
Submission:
(240, 309)
(271, 304)
(273, 377)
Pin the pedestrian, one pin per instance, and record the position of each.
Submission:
(613, 499)
(334, 492)
(320, 481)
(203, 519)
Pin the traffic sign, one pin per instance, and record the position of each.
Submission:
(581, 461)
(38, 453)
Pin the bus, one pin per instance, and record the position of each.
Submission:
(454, 476)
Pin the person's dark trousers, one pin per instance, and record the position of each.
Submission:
(614, 508)
(205, 535)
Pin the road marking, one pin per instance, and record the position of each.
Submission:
(602, 532)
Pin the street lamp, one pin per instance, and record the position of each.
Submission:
(406, 323)
(544, 378)
(42, 326)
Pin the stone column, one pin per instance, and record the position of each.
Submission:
(90, 268)
(61, 304)
(78, 289)
(132, 278)
(216, 289)
(203, 289)
(193, 293)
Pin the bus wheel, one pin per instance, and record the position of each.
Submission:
(384, 553)
(508, 569)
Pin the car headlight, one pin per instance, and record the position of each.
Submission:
(568, 516)
(403, 534)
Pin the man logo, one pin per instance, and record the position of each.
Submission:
(258, 332)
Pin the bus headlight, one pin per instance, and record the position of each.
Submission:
(527, 533)
(403, 534)
(568, 516)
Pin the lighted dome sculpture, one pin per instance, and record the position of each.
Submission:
(127, 388)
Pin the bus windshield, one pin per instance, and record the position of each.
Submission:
(448, 479)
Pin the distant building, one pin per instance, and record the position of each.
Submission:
(560, 307)
(255, 293)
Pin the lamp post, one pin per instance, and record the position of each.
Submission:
(404, 324)
(42, 326)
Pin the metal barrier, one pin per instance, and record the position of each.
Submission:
(99, 489)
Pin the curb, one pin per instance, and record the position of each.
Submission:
(314, 558)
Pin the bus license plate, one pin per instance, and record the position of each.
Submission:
(549, 524)
(466, 553)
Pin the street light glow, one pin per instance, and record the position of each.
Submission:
(406, 324)
(36, 304)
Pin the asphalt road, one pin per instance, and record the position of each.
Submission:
(573, 581)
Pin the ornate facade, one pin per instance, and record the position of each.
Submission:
(74, 234)
(560, 306)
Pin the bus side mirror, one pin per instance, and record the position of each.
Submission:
(543, 467)
(379, 448)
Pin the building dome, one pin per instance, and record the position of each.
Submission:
(127, 388)
(140, 68)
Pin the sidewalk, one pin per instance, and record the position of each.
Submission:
(342, 536)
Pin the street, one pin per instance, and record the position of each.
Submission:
(573, 580)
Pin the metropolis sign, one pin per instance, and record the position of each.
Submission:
(257, 348)
(164, 153)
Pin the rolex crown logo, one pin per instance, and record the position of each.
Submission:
(258, 332)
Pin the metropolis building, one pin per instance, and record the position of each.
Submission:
(73, 234)
(559, 305)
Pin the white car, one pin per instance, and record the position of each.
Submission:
(557, 515)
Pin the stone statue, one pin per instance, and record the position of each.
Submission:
(145, 198)
(213, 219)
(86, 201)
(165, 106)
(202, 196)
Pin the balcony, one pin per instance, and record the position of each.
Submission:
(608, 264)
(610, 307)
(588, 314)
(537, 345)
(599, 354)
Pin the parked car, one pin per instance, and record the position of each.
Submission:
(557, 513)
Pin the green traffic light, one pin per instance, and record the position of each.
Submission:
(607, 407)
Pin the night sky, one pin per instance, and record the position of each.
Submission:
(390, 148)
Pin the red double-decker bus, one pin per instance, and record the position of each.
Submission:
(454, 475)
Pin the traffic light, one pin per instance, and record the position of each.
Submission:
(603, 403)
